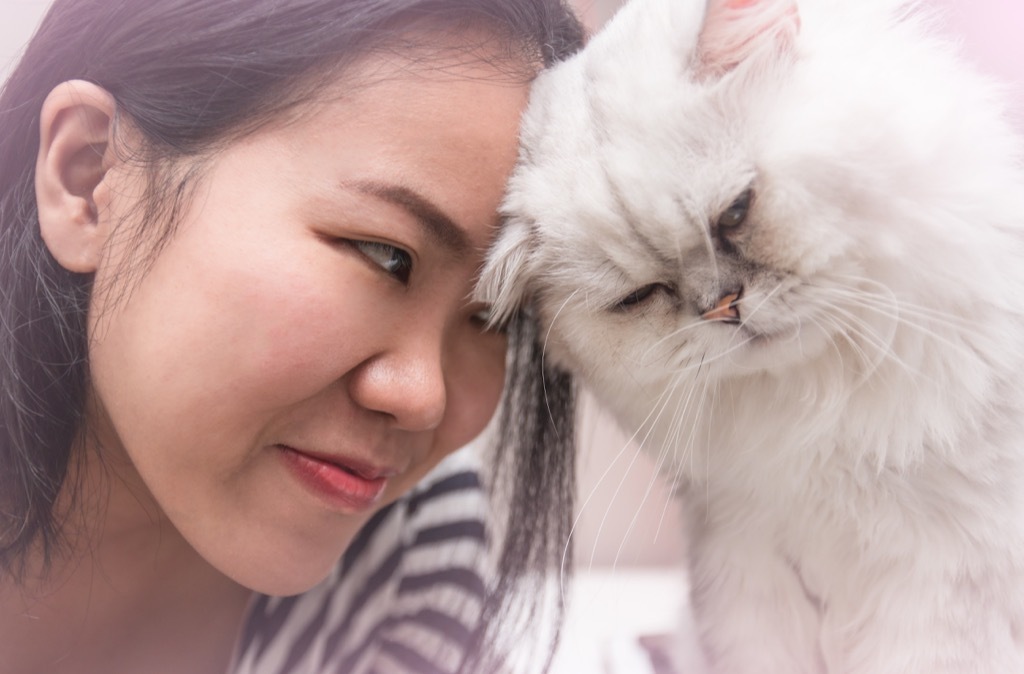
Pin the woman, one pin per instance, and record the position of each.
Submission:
(237, 240)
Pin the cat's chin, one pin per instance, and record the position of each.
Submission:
(779, 349)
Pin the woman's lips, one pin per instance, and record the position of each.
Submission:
(351, 488)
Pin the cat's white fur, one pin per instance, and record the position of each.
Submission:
(853, 450)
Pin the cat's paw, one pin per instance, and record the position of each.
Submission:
(678, 653)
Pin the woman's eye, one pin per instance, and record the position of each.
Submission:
(638, 296)
(483, 318)
(394, 261)
(734, 216)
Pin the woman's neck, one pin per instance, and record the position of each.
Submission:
(130, 594)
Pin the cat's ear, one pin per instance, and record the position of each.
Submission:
(503, 280)
(735, 30)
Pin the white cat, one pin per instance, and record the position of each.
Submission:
(784, 243)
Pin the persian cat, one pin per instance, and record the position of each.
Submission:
(782, 242)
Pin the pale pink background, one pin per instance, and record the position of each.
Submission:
(991, 29)
(992, 33)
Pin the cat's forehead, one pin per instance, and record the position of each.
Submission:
(623, 160)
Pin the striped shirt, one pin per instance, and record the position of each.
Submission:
(405, 598)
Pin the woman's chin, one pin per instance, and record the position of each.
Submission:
(279, 568)
(285, 578)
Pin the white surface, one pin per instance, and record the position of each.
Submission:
(18, 20)
(609, 609)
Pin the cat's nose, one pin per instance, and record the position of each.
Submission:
(726, 309)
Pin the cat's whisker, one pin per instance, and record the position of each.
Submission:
(554, 319)
(707, 459)
(850, 332)
(662, 456)
(854, 326)
(544, 353)
(835, 329)
(896, 313)
(658, 409)
(678, 425)
(912, 309)
(823, 323)
(723, 354)
(576, 519)
(905, 314)
(851, 282)
(667, 395)
(673, 442)
(709, 248)
(747, 315)
(699, 324)
(670, 394)
(608, 508)
(884, 303)
(859, 336)
(686, 451)
(586, 502)
(692, 441)
(694, 325)
(636, 515)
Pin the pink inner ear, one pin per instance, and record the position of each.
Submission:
(735, 29)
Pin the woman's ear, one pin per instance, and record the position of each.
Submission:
(75, 153)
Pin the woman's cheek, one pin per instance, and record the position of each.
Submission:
(476, 386)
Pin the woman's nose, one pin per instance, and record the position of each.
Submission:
(406, 383)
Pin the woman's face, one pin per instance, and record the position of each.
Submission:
(302, 351)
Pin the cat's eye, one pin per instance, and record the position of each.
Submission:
(391, 259)
(736, 214)
(638, 296)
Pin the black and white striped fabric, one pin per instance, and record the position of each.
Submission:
(405, 599)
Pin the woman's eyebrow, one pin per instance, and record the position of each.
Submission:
(439, 226)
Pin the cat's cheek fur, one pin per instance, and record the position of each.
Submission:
(819, 241)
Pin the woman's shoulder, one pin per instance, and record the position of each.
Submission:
(407, 595)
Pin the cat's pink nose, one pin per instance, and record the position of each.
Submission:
(726, 309)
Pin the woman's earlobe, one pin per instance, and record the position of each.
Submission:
(75, 152)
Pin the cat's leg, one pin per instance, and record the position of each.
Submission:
(752, 610)
(919, 619)
(687, 654)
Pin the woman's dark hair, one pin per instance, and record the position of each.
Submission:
(188, 75)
